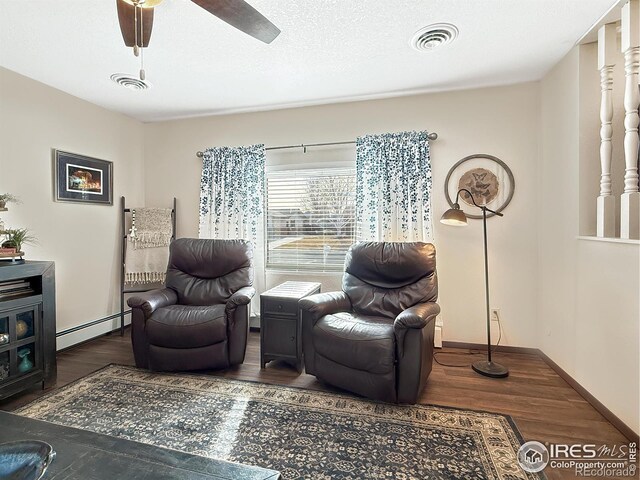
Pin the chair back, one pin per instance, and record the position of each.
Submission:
(209, 271)
(385, 278)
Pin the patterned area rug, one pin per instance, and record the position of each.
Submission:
(301, 433)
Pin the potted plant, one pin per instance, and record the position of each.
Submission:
(7, 198)
(16, 238)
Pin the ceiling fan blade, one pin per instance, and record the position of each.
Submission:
(244, 17)
(127, 24)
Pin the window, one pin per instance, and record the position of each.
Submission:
(310, 218)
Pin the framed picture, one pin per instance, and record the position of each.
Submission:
(82, 179)
(489, 180)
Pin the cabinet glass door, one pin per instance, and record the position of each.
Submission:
(4, 330)
(26, 358)
(25, 324)
(5, 365)
(19, 341)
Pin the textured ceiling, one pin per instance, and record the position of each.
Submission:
(329, 50)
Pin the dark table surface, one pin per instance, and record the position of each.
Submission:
(85, 455)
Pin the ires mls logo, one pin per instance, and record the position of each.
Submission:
(586, 460)
(533, 457)
(559, 451)
(589, 451)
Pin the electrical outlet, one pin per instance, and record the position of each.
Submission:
(495, 314)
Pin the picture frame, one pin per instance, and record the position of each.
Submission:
(83, 179)
(487, 177)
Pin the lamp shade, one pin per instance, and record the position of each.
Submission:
(144, 3)
(454, 217)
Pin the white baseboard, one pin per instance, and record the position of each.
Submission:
(88, 333)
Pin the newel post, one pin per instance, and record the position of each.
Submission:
(630, 199)
(606, 203)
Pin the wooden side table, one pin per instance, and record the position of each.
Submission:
(281, 322)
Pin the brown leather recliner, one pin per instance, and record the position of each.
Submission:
(375, 338)
(201, 319)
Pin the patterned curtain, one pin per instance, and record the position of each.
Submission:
(232, 190)
(393, 187)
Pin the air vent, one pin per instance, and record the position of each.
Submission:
(127, 81)
(433, 36)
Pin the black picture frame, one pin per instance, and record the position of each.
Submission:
(82, 179)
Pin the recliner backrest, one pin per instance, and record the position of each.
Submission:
(207, 272)
(386, 278)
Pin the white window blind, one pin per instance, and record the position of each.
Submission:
(310, 218)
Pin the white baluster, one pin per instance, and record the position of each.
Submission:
(630, 199)
(606, 129)
(605, 213)
(631, 119)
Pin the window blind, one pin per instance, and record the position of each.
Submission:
(310, 218)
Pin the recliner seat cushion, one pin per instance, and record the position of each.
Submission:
(366, 344)
(187, 326)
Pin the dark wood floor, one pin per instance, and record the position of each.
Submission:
(544, 407)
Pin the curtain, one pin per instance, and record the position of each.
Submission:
(393, 187)
(232, 190)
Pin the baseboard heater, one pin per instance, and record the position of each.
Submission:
(90, 324)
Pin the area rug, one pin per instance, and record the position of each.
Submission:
(303, 434)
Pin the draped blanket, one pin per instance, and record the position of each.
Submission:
(148, 245)
(151, 227)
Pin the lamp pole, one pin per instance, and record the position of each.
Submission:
(486, 281)
(455, 216)
(488, 368)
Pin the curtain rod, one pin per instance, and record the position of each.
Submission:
(431, 136)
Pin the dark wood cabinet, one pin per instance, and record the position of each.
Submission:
(27, 327)
(281, 323)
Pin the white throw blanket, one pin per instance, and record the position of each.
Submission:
(151, 227)
(147, 253)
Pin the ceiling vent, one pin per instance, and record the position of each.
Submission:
(433, 36)
(127, 81)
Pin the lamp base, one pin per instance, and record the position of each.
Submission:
(490, 369)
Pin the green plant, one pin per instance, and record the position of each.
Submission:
(8, 198)
(17, 237)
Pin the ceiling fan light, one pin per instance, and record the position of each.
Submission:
(144, 3)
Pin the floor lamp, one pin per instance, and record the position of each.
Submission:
(456, 217)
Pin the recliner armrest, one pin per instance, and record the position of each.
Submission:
(241, 297)
(150, 301)
(417, 317)
(322, 304)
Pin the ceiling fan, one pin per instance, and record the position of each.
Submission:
(136, 21)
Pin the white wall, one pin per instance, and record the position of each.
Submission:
(588, 311)
(499, 121)
(83, 240)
